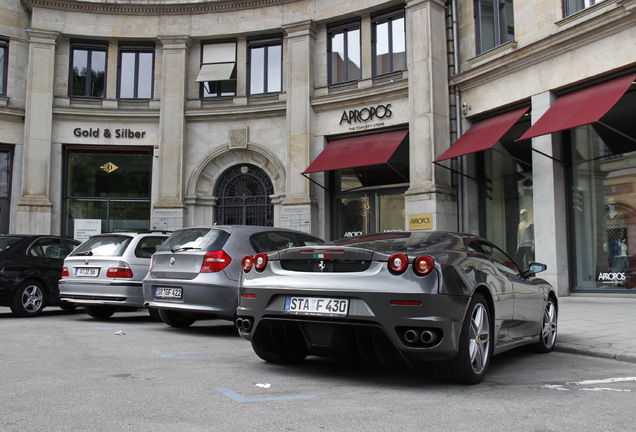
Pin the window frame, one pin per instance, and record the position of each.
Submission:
(586, 4)
(267, 43)
(90, 46)
(344, 29)
(389, 18)
(137, 49)
(4, 66)
(496, 25)
(205, 90)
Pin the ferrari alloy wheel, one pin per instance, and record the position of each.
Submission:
(470, 364)
(29, 299)
(547, 338)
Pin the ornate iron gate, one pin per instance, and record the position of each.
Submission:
(243, 197)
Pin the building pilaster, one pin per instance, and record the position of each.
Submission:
(34, 207)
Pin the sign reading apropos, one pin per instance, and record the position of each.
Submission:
(421, 222)
(366, 115)
(107, 133)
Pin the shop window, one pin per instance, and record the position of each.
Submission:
(506, 195)
(110, 187)
(494, 23)
(389, 43)
(136, 71)
(88, 70)
(4, 65)
(572, 6)
(344, 53)
(265, 66)
(218, 69)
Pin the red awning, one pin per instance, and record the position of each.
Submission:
(483, 134)
(580, 108)
(357, 151)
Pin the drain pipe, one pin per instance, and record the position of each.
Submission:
(458, 115)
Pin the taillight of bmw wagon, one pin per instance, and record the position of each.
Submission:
(215, 261)
(122, 271)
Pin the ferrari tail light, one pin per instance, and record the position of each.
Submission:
(260, 261)
(398, 262)
(65, 272)
(215, 261)
(423, 265)
(122, 271)
(247, 262)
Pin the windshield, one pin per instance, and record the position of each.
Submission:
(103, 245)
(205, 239)
(7, 242)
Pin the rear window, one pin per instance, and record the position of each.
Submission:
(205, 239)
(112, 245)
(148, 245)
(277, 240)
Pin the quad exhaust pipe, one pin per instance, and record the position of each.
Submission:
(426, 337)
(244, 324)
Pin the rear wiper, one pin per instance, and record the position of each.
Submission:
(181, 249)
(87, 253)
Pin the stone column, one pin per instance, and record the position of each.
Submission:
(429, 192)
(550, 223)
(296, 207)
(168, 210)
(34, 207)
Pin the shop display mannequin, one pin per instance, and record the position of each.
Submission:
(525, 239)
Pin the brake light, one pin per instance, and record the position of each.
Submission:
(65, 272)
(215, 261)
(260, 261)
(398, 262)
(423, 265)
(247, 262)
(122, 271)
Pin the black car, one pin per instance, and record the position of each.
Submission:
(30, 266)
(444, 299)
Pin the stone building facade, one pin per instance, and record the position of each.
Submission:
(331, 117)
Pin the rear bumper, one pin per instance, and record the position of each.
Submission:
(116, 293)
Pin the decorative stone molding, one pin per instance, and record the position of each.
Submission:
(152, 7)
(239, 138)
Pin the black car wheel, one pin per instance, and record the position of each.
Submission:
(29, 300)
(100, 312)
(271, 357)
(154, 315)
(68, 306)
(547, 338)
(176, 319)
(470, 364)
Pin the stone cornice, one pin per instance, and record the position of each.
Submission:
(152, 7)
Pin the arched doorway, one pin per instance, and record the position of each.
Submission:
(243, 197)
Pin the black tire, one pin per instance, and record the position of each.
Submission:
(470, 364)
(176, 319)
(29, 300)
(272, 357)
(154, 315)
(548, 334)
(100, 312)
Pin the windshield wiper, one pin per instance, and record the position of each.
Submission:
(87, 253)
(185, 248)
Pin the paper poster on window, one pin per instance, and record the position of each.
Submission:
(84, 228)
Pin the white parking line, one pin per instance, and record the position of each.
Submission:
(575, 384)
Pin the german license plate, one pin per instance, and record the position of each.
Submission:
(169, 293)
(317, 306)
(86, 271)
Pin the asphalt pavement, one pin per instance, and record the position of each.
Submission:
(598, 326)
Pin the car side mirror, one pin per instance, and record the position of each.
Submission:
(534, 268)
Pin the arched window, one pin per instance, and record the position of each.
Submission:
(243, 194)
